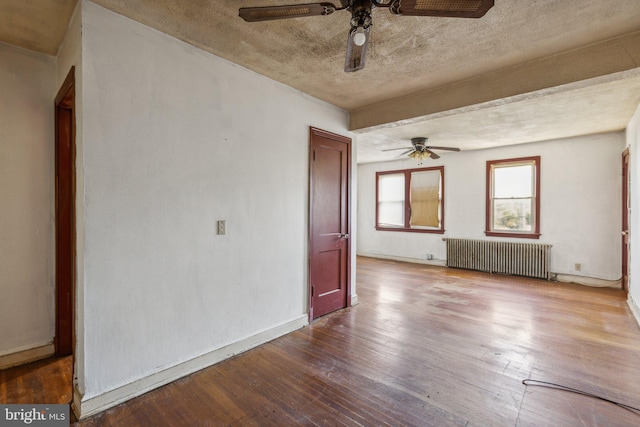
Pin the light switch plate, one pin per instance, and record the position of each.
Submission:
(222, 227)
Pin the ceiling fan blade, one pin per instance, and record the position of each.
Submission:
(356, 49)
(432, 154)
(401, 148)
(406, 152)
(268, 13)
(447, 8)
(431, 147)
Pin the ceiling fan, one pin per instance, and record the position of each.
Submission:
(361, 20)
(421, 150)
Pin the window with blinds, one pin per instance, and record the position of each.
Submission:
(411, 200)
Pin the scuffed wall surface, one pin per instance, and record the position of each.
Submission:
(174, 140)
(27, 85)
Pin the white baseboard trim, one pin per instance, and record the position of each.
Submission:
(75, 402)
(354, 300)
(438, 262)
(588, 281)
(26, 356)
(635, 309)
(93, 405)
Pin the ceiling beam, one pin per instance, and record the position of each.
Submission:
(596, 60)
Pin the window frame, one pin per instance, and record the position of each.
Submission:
(535, 234)
(407, 200)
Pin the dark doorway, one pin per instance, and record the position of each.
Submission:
(329, 288)
(65, 216)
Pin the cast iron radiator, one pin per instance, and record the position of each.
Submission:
(518, 259)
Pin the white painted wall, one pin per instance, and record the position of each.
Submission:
(580, 204)
(633, 142)
(175, 139)
(26, 186)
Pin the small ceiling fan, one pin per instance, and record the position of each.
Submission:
(361, 20)
(421, 150)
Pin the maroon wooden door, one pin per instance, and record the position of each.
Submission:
(65, 217)
(625, 220)
(328, 223)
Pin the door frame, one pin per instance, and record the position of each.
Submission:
(343, 139)
(626, 203)
(64, 340)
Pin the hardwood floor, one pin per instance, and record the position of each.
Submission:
(45, 381)
(426, 346)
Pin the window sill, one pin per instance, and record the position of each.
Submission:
(410, 230)
(515, 235)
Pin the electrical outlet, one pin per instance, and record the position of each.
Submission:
(429, 256)
(578, 267)
(222, 227)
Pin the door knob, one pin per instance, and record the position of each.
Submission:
(343, 236)
(625, 232)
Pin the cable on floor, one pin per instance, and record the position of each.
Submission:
(533, 382)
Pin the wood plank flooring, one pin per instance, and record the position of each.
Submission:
(426, 346)
(45, 381)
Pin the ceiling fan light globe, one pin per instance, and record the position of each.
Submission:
(359, 38)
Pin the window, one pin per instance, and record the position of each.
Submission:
(411, 200)
(513, 198)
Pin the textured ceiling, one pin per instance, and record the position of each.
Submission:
(408, 56)
(38, 25)
(559, 113)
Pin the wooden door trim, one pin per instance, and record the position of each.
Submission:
(65, 104)
(625, 219)
(313, 131)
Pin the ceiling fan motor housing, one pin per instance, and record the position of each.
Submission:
(419, 143)
(361, 13)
